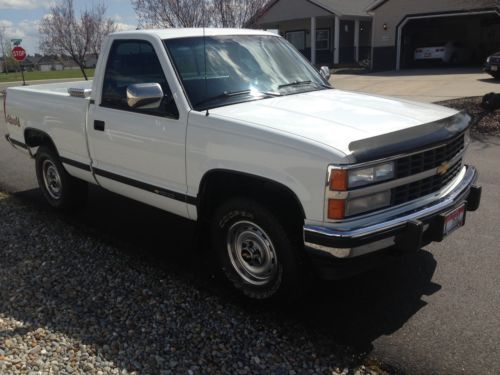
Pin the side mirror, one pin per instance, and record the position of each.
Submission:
(144, 95)
(325, 72)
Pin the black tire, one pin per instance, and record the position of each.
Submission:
(68, 193)
(495, 76)
(288, 279)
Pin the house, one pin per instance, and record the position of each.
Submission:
(327, 32)
(48, 63)
(30, 63)
(384, 33)
(401, 26)
(68, 63)
(91, 61)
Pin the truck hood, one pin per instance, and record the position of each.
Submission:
(353, 123)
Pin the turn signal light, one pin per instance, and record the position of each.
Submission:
(336, 209)
(338, 180)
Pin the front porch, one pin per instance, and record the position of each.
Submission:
(324, 37)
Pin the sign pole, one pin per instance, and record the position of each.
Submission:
(22, 74)
(19, 54)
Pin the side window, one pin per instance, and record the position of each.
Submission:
(322, 39)
(131, 62)
(297, 38)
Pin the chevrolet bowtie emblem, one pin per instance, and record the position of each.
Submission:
(443, 168)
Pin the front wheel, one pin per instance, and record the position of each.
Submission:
(60, 190)
(258, 254)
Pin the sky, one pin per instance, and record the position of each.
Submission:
(21, 17)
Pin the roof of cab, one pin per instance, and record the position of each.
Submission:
(191, 32)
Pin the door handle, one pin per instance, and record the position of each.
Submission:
(99, 125)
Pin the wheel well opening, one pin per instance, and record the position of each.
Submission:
(36, 138)
(219, 186)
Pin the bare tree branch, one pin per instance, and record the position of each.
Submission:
(236, 13)
(62, 33)
(196, 13)
(3, 47)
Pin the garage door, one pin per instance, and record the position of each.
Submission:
(448, 40)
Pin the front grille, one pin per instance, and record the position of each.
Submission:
(421, 188)
(421, 162)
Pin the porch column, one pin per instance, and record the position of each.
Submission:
(356, 40)
(336, 41)
(313, 40)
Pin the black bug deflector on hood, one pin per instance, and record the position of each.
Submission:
(409, 140)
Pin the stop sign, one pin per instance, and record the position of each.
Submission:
(18, 53)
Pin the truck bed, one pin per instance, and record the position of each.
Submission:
(50, 108)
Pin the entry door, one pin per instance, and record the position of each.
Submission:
(139, 153)
(347, 41)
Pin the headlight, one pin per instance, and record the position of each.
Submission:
(371, 175)
(368, 203)
(342, 179)
(488, 60)
(340, 205)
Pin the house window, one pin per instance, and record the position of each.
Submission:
(297, 38)
(322, 39)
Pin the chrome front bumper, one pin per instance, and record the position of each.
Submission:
(410, 229)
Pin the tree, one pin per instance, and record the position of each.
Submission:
(4, 47)
(62, 33)
(236, 13)
(100, 26)
(196, 13)
(170, 13)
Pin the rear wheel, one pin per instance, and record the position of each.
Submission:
(258, 254)
(59, 189)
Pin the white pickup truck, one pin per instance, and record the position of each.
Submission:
(236, 130)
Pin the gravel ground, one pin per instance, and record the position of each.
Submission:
(70, 302)
(483, 121)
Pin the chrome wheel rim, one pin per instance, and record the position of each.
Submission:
(51, 179)
(252, 253)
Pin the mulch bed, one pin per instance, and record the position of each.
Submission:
(483, 121)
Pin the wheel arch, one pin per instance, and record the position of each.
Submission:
(229, 182)
(36, 137)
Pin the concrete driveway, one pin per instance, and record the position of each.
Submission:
(426, 85)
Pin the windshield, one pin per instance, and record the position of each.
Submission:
(240, 68)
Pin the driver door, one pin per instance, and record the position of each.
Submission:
(139, 153)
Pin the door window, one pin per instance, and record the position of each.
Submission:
(131, 62)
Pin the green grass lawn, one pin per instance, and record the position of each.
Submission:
(31, 76)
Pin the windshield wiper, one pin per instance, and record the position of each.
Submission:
(300, 83)
(296, 83)
(230, 94)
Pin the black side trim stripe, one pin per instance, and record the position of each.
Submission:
(144, 186)
(191, 200)
(16, 143)
(137, 184)
(75, 164)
